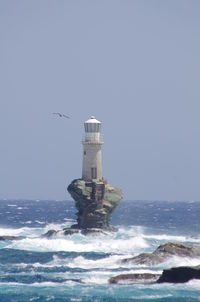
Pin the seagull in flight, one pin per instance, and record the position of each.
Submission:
(60, 114)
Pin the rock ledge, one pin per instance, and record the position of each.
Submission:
(95, 202)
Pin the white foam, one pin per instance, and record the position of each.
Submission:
(40, 222)
(80, 243)
(111, 262)
(194, 284)
(152, 297)
(176, 261)
(168, 238)
(25, 231)
(97, 278)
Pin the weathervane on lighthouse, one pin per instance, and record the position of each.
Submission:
(92, 158)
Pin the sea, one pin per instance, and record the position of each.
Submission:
(78, 267)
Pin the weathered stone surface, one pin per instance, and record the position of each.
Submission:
(161, 254)
(179, 249)
(134, 278)
(2, 238)
(180, 274)
(164, 252)
(95, 202)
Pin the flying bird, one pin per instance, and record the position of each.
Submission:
(60, 114)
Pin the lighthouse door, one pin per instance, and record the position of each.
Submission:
(94, 173)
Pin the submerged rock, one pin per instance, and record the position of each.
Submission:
(70, 231)
(95, 202)
(180, 274)
(2, 238)
(134, 278)
(50, 233)
(164, 252)
(94, 231)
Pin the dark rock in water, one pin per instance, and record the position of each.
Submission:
(179, 249)
(2, 238)
(95, 202)
(74, 280)
(145, 258)
(174, 275)
(134, 278)
(180, 274)
(164, 252)
(94, 231)
(91, 231)
(50, 233)
(70, 231)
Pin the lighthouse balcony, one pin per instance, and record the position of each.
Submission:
(92, 140)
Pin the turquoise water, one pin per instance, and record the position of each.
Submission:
(77, 268)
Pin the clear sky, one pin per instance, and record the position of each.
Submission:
(135, 65)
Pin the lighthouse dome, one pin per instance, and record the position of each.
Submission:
(92, 119)
(92, 125)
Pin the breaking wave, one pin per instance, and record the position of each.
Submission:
(119, 243)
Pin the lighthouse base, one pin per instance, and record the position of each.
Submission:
(95, 202)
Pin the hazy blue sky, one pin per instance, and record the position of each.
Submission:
(135, 65)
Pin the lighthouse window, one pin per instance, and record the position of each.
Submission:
(94, 173)
(84, 152)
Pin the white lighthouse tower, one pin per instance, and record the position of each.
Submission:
(92, 159)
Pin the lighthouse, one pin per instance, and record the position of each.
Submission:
(95, 198)
(92, 156)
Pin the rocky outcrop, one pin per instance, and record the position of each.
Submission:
(161, 254)
(174, 275)
(95, 202)
(165, 252)
(134, 278)
(72, 231)
(180, 274)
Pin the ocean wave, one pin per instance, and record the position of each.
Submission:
(110, 262)
(32, 231)
(122, 242)
(165, 237)
(176, 261)
(38, 284)
(194, 284)
(130, 241)
(24, 231)
(80, 243)
(40, 222)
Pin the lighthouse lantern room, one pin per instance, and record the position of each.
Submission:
(92, 158)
